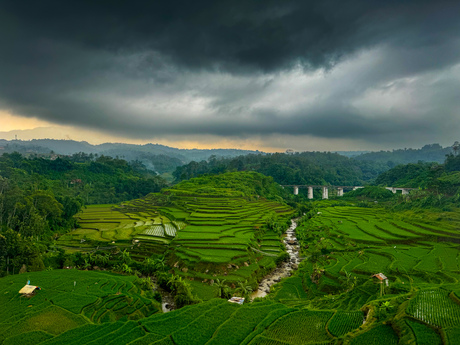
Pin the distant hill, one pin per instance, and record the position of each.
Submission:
(428, 153)
(159, 158)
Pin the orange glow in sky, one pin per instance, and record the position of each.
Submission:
(9, 122)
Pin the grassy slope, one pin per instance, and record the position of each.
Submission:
(423, 303)
(418, 252)
(208, 227)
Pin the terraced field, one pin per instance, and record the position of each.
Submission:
(345, 246)
(205, 233)
(69, 299)
(104, 308)
(331, 299)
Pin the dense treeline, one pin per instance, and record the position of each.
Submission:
(93, 179)
(440, 177)
(439, 183)
(428, 153)
(299, 168)
(39, 197)
(413, 175)
(159, 158)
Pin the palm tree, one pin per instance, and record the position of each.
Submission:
(91, 257)
(244, 288)
(172, 282)
(106, 258)
(149, 265)
(99, 259)
(125, 256)
(160, 263)
(86, 265)
(126, 269)
(221, 288)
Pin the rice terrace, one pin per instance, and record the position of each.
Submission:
(230, 172)
(364, 274)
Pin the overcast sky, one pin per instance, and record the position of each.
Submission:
(308, 75)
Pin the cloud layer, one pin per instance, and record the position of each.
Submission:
(368, 71)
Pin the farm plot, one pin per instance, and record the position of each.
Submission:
(424, 334)
(155, 230)
(379, 335)
(112, 225)
(436, 308)
(65, 296)
(345, 322)
(304, 326)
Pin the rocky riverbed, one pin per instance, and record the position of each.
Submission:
(283, 270)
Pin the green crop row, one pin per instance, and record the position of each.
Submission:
(301, 327)
(344, 322)
(435, 308)
(379, 335)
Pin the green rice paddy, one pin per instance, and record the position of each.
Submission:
(343, 304)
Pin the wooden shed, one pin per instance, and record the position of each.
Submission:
(28, 290)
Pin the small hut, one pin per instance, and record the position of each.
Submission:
(238, 300)
(29, 290)
(380, 276)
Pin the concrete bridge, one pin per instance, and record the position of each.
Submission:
(340, 189)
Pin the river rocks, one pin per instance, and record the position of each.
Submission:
(284, 270)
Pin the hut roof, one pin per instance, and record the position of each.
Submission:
(239, 300)
(380, 276)
(28, 289)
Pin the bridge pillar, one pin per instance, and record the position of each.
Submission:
(339, 191)
(296, 190)
(405, 191)
(325, 193)
(310, 192)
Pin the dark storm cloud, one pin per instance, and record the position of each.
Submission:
(127, 67)
(234, 34)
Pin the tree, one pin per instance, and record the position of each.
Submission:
(148, 266)
(126, 269)
(244, 288)
(125, 257)
(173, 282)
(159, 263)
(222, 288)
(456, 148)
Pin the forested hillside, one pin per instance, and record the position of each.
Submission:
(159, 158)
(428, 153)
(39, 198)
(298, 168)
(443, 178)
